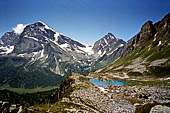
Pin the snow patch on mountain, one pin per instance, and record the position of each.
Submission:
(32, 38)
(1, 42)
(87, 49)
(7, 49)
(154, 39)
(42, 52)
(121, 45)
(99, 52)
(64, 45)
(105, 41)
(102, 89)
(159, 43)
(56, 35)
(46, 26)
(112, 51)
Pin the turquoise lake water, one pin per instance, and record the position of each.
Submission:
(109, 82)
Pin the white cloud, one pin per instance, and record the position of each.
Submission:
(19, 28)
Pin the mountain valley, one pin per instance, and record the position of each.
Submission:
(39, 57)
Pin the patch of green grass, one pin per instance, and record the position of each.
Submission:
(124, 61)
(157, 83)
(155, 52)
(59, 107)
(83, 79)
(147, 53)
(160, 54)
(119, 70)
(34, 90)
(28, 98)
(65, 87)
(160, 71)
(134, 74)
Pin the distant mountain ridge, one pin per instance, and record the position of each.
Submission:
(107, 49)
(38, 48)
(107, 43)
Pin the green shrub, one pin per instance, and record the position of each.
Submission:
(159, 71)
(134, 74)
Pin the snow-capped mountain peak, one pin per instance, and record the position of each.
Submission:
(109, 36)
(45, 25)
(55, 51)
(41, 22)
(106, 44)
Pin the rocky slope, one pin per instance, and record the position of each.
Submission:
(147, 54)
(82, 96)
(77, 94)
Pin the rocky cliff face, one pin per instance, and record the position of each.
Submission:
(146, 34)
(147, 53)
(150, 32)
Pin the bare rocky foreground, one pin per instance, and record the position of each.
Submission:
(83, 96)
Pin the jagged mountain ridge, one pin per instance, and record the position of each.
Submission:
(108, 43)
(147, 53)
(107, 49)
(41, 48)
(41, 42)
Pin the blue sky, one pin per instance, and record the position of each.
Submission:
(84, 20)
